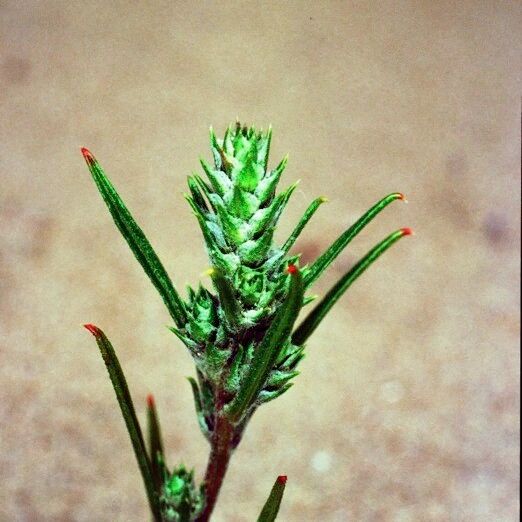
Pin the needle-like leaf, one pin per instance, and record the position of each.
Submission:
(309, 212)
(157, 456)
(137, 241)
(271, 507)
(311, 322)
(324, 261)
(129, 414)
(268, 350)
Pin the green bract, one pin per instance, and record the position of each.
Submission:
(241, 333)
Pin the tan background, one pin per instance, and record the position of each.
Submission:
(407, 408)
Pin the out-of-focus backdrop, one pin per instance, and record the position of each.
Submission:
(407, 407)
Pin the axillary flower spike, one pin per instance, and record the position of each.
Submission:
(242, 332)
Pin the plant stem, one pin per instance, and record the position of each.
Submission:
(220, 453)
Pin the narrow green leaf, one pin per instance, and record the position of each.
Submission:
(156, 454)
(310, 211)
(271, 507)
(268, 350)
(324, 261)
(311, 322)
(137, 241)
(129, 414)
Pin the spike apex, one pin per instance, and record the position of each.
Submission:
(93, 329)
(282, 479)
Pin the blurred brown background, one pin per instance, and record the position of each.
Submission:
(407, 408)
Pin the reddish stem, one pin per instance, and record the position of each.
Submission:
(220, 453)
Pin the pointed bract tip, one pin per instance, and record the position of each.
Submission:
(407, 231)
(282, 479)
(209, 272)
(292, 269)
(151, 403)
(402, 197)
(89, 158)
(93, 329)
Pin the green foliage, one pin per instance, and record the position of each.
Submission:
(241, 335)
(180, 500)
(123, 396)
(273, 502)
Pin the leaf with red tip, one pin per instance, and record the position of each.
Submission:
(121, 389)
(271, 507)
(156, 454)
(326, 259)
(268, 350)
(311, 322)
(137, 241)
(93, 329)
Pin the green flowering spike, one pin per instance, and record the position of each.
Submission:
(180, 500)
(121, 389)
(326, 259)
(306, 328)
(271, 507)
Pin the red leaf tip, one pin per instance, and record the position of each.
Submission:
(407, 231)
(150, 401)
(89, 158)
(292, 269)
(93, 329)
(282, 479)
(402, 197)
